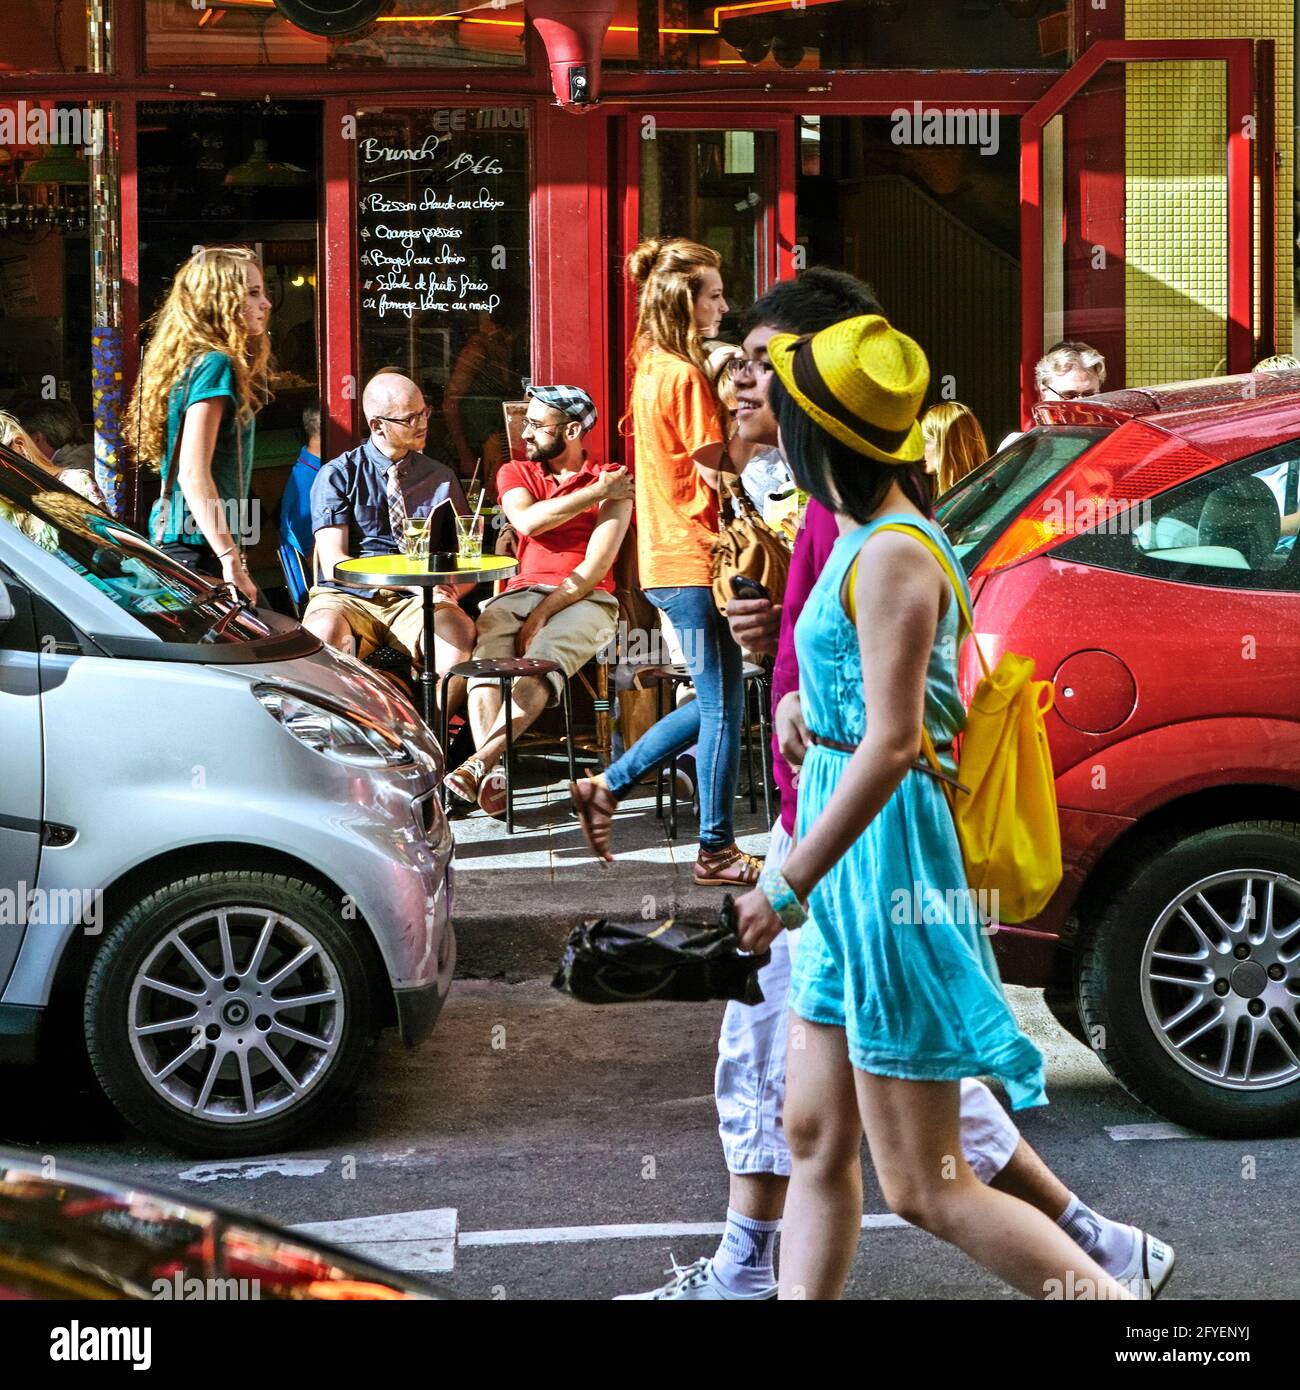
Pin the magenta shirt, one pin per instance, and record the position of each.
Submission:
(812, 549)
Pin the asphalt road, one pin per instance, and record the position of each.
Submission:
(526, 1110)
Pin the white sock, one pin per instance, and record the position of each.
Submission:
(744, 1261)
(1116, 1247)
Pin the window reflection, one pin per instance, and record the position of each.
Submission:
(410, 34)
(842, 34)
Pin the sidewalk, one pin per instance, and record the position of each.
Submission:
(518, 896)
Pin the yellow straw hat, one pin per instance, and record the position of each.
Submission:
(862, 381)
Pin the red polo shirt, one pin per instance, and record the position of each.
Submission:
(552, 556)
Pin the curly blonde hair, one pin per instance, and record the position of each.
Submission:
(959, 442)
(203, 312)
(667, 273)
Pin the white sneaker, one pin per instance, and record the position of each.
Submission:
(692, 1281)
(1151, 1270)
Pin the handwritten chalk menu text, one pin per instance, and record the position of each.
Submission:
(443, 255)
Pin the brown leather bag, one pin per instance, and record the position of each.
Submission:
(746, 545)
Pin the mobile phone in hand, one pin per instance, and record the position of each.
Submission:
(744, 587)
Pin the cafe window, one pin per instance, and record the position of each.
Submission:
(48, 36)
(406, 34)
(46, 158)
(443, 265)
(838, 34)
(241, 173)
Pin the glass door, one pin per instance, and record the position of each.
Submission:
(1137, 212)
(726, 183)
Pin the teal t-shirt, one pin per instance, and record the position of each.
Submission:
(208, 377)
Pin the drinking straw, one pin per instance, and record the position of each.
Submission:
(473, 477)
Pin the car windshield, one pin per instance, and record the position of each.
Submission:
(172, 602)
(983, 505)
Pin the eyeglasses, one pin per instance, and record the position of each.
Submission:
(1070, 395)
(407, 421)
(746, 366)
(532, 427)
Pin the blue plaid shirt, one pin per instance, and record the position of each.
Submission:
(350, 491)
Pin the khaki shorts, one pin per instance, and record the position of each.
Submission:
(392, 618)
(572, 637)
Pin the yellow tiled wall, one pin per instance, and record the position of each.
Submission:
(1176, 187)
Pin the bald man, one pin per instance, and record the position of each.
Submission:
(355, 510)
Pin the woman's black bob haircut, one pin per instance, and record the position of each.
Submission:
(820, 463)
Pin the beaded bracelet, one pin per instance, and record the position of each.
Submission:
(785, 902)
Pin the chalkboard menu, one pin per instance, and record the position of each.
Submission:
(444, 269)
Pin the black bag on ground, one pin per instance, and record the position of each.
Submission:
(627, 962)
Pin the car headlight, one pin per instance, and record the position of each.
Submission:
(348, 736)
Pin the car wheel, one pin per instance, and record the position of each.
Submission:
(1189, 979)
(227, 1012)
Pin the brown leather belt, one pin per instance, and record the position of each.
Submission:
(920, 765)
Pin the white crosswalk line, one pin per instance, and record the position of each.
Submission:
(412, 1241)
(1161, 1129)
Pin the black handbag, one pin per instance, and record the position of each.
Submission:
(628, 962)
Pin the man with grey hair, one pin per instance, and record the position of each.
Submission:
(358, 503)
(1068, 371)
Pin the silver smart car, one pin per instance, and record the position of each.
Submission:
(221, 848)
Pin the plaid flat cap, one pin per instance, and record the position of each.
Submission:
(572, 401)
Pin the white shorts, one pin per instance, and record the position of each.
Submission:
(749, 1083)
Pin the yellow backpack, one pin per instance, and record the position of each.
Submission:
(1005, 813)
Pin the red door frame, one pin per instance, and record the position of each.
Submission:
(1239, 57)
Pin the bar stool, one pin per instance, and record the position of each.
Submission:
(505, 671)
(757, 685)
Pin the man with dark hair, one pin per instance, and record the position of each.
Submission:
(749, 1085)
(295, 508)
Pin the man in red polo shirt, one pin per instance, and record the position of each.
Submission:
(570, 516)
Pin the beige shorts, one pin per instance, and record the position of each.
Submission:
(572, 637)
(391, 618)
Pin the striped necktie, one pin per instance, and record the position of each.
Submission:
(396, 507)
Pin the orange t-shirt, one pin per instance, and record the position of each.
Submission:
(675, 413)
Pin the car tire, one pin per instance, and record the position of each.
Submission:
(1114, 995)
(270, 921)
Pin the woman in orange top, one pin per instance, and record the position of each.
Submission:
(680, 449)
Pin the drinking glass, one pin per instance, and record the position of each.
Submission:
(417, 540)
(469, 539)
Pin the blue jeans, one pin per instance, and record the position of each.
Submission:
(713, 720)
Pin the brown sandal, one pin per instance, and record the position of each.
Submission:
(595, 833)
(727, 868)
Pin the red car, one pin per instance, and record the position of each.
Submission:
(1141, 547)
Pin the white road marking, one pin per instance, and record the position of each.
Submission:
(256, 1168)
(650, 1230)
(426, 1241)
(413, 1241)
(1161, 1129)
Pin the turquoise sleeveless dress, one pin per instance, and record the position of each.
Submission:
(893, 952)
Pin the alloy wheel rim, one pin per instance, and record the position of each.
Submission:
(1220, 979)
(236, 1014)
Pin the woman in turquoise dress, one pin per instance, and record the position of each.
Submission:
(895, 996)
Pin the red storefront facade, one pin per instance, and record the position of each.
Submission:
(982, 253)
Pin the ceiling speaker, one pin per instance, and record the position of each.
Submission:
(331, 16)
